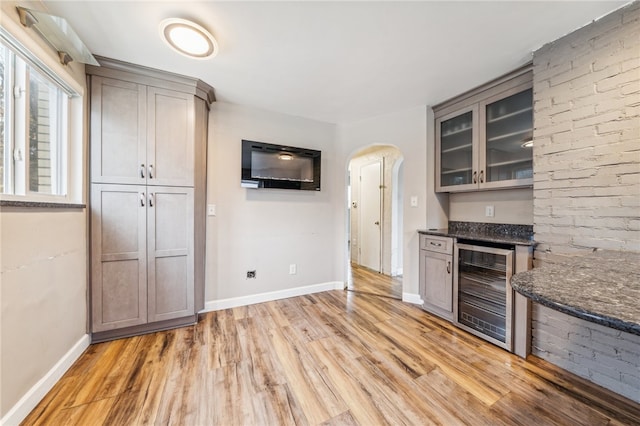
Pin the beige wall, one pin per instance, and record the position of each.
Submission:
(43, 294)
(267, 229)
(43, 258)
(407, 130)
(513, 206)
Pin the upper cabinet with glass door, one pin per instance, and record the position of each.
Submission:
(457, 133)
(483, 138)
(507, 139)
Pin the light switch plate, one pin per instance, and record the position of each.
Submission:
(414, 201)
(489, 211)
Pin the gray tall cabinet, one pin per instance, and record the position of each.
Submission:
(148, 133)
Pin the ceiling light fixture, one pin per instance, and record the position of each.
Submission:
(286, 157)
(188, 38)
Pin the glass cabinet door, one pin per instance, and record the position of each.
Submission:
(456, 136)
(508, 143)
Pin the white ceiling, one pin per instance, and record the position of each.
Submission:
(330, 60)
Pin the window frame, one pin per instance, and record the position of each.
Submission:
(69, 103)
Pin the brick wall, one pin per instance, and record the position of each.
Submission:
(587, 181)
(600, 354)
(587, 137)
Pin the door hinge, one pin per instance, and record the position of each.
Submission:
(17, 155)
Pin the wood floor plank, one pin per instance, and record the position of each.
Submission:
(265, 370)
(330, 358)
(222, 339)
(361, 405)
(308, 384)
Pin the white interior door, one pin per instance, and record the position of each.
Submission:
(370, 215)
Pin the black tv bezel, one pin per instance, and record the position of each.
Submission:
(249, 182)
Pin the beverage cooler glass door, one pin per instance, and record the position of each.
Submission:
(483, 294)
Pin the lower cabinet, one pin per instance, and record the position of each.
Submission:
(436, 275)
(142, 258)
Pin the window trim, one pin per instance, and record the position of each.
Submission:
(73, 141)
(33, 60)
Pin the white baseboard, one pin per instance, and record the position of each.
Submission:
(412, 298)
(217, 305)
(28, 402)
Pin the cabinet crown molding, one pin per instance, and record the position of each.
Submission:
(523, 74)
(113, 68)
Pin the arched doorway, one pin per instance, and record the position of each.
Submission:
(375, 221)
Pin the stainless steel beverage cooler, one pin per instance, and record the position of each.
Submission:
(483, 298)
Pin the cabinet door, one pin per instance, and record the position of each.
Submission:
(456, 151)
(170, 252)
(171, 127)
(436, 281)
(118, 131)
(118, 256)
(506, 139)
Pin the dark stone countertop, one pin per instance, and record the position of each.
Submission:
(491, 232)
(601, 287)
(39, 205)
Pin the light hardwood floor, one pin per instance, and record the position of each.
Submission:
(365, 280)
(332, 358)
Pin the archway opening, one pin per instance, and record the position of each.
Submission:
(375, 211)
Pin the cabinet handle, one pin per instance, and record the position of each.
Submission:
(435, 244)
(481, 176)
(150, 200)
(475, 177)
(150, 171)
(142, 171)
(448, 267)
(141, 199)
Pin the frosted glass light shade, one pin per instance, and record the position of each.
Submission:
(188, 38)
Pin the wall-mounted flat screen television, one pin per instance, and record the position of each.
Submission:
(266, 165)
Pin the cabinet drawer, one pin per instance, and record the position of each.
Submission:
(437, 244)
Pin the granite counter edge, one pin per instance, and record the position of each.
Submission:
(574, 311)
(477, 237)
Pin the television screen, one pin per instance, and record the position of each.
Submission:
(266, 165)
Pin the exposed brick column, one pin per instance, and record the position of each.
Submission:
(587, 181)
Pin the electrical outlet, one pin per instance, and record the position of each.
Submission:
(489, 211)
(292, 269)
(251, 274)
(414, 201)
(211, 210)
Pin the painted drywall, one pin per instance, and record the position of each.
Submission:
(389, 157)
(43, 294)
(267, 230)
(43, 257)
(407, 131)
(514, 206)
